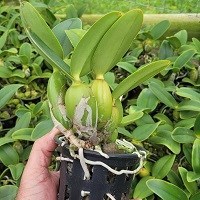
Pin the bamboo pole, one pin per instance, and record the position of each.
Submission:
(188, 22)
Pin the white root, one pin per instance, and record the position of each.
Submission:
(83, 164)
(111, 196)
(84, 193)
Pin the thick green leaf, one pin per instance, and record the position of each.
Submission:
(34, 22)
(165, 139)
(197, 126)
(7, 92)
(162, 94)
(3, 39)
(127, 66)
(187, 150)
(116, 41)
(41, 129)
(129, 119)
(188, 93)
(145, 119)
(8, 155)
(82, 54)
(159, 29)
(141, 190)
(182, 36)
(162, 167)
(163, 118)
(184, 58)
(138, 77)
(191, 186)
(183, 135)
(59, 31)
(189, 105)
(174, 41)
(16, 170)
(124, 132)
(23, 134)
(175, 179)
(147, 100)
(165, 190)
(142, 132)
(49, 55)
(195, 156)
(75, 36)
(8, 192)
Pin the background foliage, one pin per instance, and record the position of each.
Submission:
(161, 115)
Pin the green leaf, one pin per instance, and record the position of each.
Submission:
(59, 31)
(124, 132)
(16, 170)
(23, 134)
(7, 92)
(25, 53)
(191, 186)
(5, 72)
(163, 119)
(166, 190)
(197, 126)
(129, 119)
(8, 192)
(174, 41)
(49, 55)
(187, 123)
(195, 156)
(41, 129)
(147, 100)
(159, 29)
(188, 93)
(34, 22)
(82, 53)
(141, 190)
(5, 140)
(182, 36)
(162, 94)
(127, 66)
(162, 167)
(165, 139)
(183, 135)
(8, 155)
(196, 44)
(165, 50)
(116, 41)
(192, 176)
(187, 150)
(142, 132)
(189, 105)
(195, 196)
(175, 179)
(138, 77)
(183, 58)
(75, 36)
(3, 39)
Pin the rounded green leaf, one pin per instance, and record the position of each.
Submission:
(141, 190)
(41, 129)
(165, 190)
(191, 186)
(197, 126)
(163, 95)
(16, 170)
(184, 58)
(8, 192)
(7, 92)
(129, 119)
(195, 156)
(159, 29)
(23, 134)
(183, 135)
(188, 93)
(142, 132)
(8, 155)
(162, 167)
(5, 140)
(195, 196)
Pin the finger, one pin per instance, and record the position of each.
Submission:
(42, 150)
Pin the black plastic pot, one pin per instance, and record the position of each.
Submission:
(9, 123)
(102, 181)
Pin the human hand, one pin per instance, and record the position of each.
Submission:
(38, 183)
